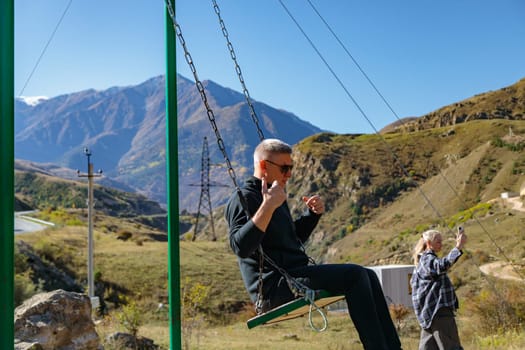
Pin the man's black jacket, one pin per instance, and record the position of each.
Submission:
(282, 241)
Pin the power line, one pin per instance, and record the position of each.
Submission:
(358, 106)
(45, 48)
(500, 250)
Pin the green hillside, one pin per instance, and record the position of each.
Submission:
(395, 182)
(507, 103)
(41, 191)
(381, 192)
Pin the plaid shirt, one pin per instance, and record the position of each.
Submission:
(431, 287)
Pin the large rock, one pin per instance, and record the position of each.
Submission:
(57, 320)
(123, 341)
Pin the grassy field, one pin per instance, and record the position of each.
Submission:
(297, 335)
(374, 217)
(137, 271)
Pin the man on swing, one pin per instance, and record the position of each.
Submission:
(271, 226)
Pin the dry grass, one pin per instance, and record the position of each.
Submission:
(142, 269)
(297, 335)
(140, 266)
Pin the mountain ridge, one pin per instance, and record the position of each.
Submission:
(124, 127)
(505, 103)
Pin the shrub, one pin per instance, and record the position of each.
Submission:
(399, 313)
(130, 317)
(498, 308)
(478, 210)
(193, 296)
(503, 340)
(47, 249)
(24, 288)
(124, 235)
(422, 228)
(20, 262)
(481, 257)
(75, 222)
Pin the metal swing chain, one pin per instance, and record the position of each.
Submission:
(200, 88)
(238, 70)
(297, 288)
(220, 141)
(259, 303)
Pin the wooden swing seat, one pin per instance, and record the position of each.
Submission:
(293, 309)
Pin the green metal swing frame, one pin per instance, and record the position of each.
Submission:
(7, 98)
(290, 310)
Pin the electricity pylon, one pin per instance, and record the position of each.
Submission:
(205, 184)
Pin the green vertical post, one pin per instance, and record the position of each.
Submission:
(172, 187)
(7, 109)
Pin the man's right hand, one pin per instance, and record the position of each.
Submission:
(273, 196)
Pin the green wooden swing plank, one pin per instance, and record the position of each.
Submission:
(293, 309)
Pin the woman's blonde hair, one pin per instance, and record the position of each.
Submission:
(422, 244)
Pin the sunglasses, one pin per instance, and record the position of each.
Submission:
(283, 168)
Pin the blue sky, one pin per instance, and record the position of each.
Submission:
(421, 55)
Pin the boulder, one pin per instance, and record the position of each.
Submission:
(121, 340)
(56, 320)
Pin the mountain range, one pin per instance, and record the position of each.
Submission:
(442, 169)
(461, 165)
(124, 128)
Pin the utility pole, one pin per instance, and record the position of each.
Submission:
(90, 175)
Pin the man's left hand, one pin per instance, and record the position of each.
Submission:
(314, 203)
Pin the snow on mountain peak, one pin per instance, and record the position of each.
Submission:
(32, 100)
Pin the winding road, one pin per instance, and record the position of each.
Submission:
(24, 224)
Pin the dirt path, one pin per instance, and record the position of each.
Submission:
(516, 203)
(501, 269)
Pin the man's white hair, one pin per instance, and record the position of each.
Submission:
(268, 146)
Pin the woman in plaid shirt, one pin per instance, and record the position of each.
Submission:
(433, 295)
